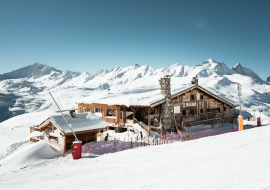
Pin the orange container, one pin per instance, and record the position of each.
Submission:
(77, 150)
(240, 121)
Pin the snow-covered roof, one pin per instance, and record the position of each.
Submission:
(208, 90)
(146, 96)
(82, 122)
(141, 96)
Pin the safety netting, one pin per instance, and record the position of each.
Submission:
(116, 145)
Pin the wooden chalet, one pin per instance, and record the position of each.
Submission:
(192, 105)
(57, 133)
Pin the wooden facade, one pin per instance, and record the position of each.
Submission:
(56, 137)
(118, 115)
(196, 105)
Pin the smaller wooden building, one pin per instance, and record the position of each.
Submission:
(56, 132)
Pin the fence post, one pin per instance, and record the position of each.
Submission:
(114, 145)
(118, 144)
(143, 141)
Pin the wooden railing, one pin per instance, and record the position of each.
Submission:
(34, 128)
(142, 124)
(202, 118)
(36, 139)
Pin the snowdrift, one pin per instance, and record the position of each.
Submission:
(29, 154)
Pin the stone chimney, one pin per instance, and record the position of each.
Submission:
(195, 81)
(167, 107)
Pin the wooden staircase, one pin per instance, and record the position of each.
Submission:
(142, 124)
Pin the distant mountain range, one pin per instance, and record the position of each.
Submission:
(37, 77)
(22, 90)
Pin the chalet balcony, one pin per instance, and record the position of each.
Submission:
(200, 118)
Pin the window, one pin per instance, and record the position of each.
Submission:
(201, 97)
(218, 109)
(201, 110)
(224, 108)
(176, 109)
(111, 112)
(100, 110)
(191, 112)
(88, 110)
(53, 138)
(184, 112)
(96, 110)
(192, 97)
(208, 110)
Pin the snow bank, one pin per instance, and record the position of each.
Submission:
(29, 154)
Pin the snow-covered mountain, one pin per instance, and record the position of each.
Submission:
(38, 77)
(25, 90)
(268, 79)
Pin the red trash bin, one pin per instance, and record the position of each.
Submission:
(77, 150)
(258, 121)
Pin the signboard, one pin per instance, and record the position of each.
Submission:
(239, 88)
(176, 109)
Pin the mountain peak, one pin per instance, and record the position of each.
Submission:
(238, 65)
(34, 70)
(135, 66)
(209, 61)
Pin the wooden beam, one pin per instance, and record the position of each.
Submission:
(118, 110)
(149, 121)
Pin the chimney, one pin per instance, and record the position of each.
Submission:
(72, 113)
(167, 107)
(194, 81)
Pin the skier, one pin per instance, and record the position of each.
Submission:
(106, 138)
(141, 135)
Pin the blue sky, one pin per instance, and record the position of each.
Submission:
(101, 34)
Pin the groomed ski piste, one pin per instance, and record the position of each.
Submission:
(234, 160)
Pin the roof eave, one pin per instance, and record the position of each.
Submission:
(191, 88)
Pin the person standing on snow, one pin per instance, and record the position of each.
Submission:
(106, 138)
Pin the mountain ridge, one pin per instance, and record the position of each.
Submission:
(29, 85)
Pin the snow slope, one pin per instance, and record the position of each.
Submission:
(237, 160)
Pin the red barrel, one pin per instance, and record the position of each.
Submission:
(258, 121)
(77, 150)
